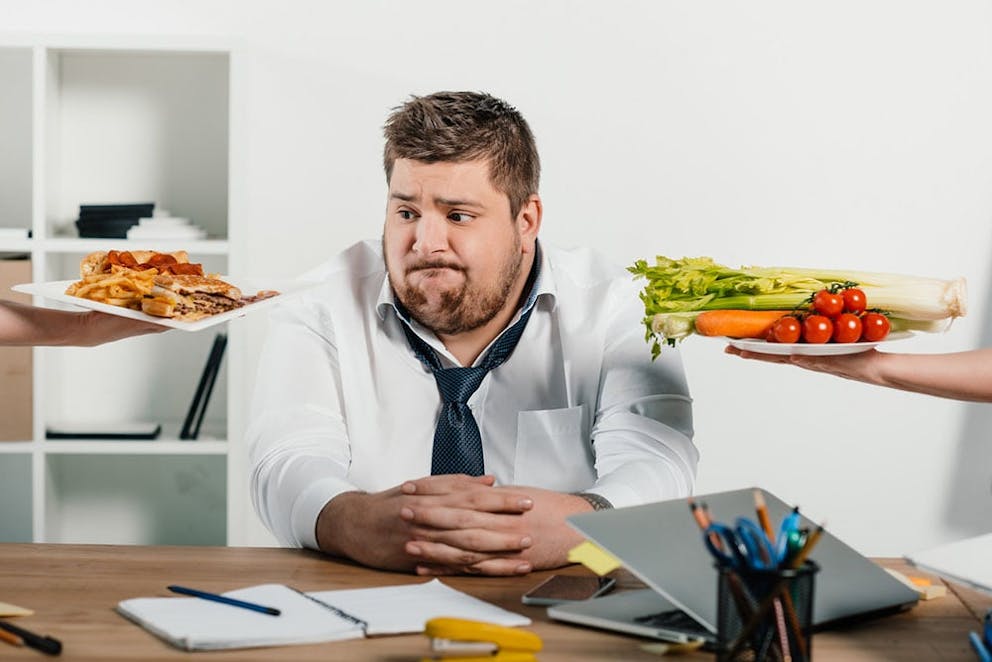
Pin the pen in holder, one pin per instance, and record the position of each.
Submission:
(765, 614)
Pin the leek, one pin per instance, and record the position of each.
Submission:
(677, 290)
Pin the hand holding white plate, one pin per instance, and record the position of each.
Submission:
(55, 290)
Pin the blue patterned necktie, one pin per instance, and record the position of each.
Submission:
(457, 441)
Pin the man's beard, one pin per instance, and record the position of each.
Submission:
(462, 308)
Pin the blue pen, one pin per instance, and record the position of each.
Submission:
(272, 611)
(790, 523)
(976, 642)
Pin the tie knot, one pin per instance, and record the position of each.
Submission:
(458, 384)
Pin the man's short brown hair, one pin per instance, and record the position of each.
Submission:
(466, 126)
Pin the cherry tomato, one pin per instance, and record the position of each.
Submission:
(874, 327)
(854, 300)
(786, 329)
(828, 304)
(847, 328)
(817, 329)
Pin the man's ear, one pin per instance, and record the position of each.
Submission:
(529, 222)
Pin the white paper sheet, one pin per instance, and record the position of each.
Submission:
(398, 609)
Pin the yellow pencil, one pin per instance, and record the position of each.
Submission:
(808, 547)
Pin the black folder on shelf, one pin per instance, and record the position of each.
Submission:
(197, 408)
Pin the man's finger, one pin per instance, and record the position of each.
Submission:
(442, 517)
(444, 484)
(484, 499)
(432, 553)
(436, 571)
(495, 568)
(475, 540)
(502, 567)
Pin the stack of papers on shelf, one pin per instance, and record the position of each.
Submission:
(195, 624)
(15, 233)
(163, 226)
(967, 561)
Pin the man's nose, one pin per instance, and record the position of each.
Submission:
(432, 234)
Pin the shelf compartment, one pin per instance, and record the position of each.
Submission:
(15, 495)
(137, 126)
(136, 499)
(148, 378)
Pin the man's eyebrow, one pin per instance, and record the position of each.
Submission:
(444, 202)
(449, 202)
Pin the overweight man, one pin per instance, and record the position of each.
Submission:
(451, 393)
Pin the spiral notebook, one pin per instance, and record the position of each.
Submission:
(307, 618)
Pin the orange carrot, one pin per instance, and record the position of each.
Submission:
(737, 323)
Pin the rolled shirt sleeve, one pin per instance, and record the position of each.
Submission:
(299, 444)
(642, 432)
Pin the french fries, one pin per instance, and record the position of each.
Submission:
(120, 287)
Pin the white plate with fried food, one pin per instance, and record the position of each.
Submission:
(194, 298)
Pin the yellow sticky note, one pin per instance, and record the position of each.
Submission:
(7, 609)
(923, 587)
(593, 557)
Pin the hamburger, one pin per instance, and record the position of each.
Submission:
(189, 297)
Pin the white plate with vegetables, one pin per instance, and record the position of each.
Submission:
(811, 349)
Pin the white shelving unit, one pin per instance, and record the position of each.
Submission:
(108, 120)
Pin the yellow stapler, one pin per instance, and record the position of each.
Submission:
(459, 640)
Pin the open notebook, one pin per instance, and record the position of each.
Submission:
(195, 624)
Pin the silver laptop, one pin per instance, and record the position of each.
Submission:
(662, 545)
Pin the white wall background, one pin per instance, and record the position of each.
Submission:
(839, 134)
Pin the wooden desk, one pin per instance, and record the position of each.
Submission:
(74, 588)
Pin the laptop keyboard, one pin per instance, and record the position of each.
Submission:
(673, 619)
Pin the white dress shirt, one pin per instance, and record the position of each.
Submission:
(343, 404)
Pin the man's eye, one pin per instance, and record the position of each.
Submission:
(459, 218)
(406, 214)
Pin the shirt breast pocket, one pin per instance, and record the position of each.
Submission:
(553, 450)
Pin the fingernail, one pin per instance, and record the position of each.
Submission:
(406, 513)
(526, 504)
(523, 568)
(413, 549)
(409, 488)
(526, 541)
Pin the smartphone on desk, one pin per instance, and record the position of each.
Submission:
(567, 588)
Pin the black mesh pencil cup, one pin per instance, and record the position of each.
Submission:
(765, 614)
